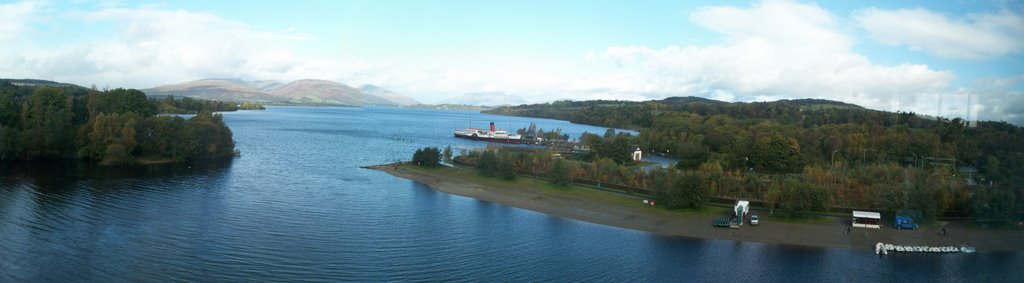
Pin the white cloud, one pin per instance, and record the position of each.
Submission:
(793, 24)
(773, 50)
(998, 99)
(975, 36)
(152, 45)
(15, 18)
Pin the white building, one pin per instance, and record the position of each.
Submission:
(638, 155)
(867, 219)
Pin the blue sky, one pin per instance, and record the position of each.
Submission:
(906, 55)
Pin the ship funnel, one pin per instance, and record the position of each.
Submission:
(492, 126)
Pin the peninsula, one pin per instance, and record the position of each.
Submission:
(619, 210)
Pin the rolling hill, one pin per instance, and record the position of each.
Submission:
(300, 92)
(215, 89)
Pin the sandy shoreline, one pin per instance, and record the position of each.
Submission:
(830, 232)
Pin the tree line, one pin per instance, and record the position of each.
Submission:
(114, 127)
(187, 105)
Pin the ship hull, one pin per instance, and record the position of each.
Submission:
(490, 139)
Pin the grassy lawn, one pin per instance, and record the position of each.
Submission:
(546, 188)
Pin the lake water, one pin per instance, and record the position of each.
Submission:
(296, 206)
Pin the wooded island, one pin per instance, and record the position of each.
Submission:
(114, 127)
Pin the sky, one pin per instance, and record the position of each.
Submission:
(948, 58)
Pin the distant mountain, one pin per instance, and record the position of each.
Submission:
(264, 85)
(325, 92)
(486, 99)
(215, 89)
(399, 99)
(315, 92)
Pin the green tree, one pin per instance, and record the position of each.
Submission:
(992, 167)
(995, 205)
(799, 198)
(427, 157)
(690, 191)
(773, 195)
(47, 121)
(691, 155)
(609, 134)
(113, 127)
(558, 174)
(617, 148)
(161, 137)
(488, 164)
(506, 168)
(777, 154)
(251, 106)
(119, 101)
(590, 140)
(206, 136)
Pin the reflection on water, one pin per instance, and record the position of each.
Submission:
(296, 206)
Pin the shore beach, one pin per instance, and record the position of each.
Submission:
(629, 212)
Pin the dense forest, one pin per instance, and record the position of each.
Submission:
(188, 105)
(842, 155)
(119, 126)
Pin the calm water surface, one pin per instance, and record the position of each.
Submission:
(296, 206)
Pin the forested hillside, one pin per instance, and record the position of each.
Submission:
(854, 157)
(188, 105)
(118, 126)
(783, 136)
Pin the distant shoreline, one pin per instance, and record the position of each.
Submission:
(628, 212)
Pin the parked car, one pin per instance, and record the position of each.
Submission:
(754, 220)
(905, 222)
